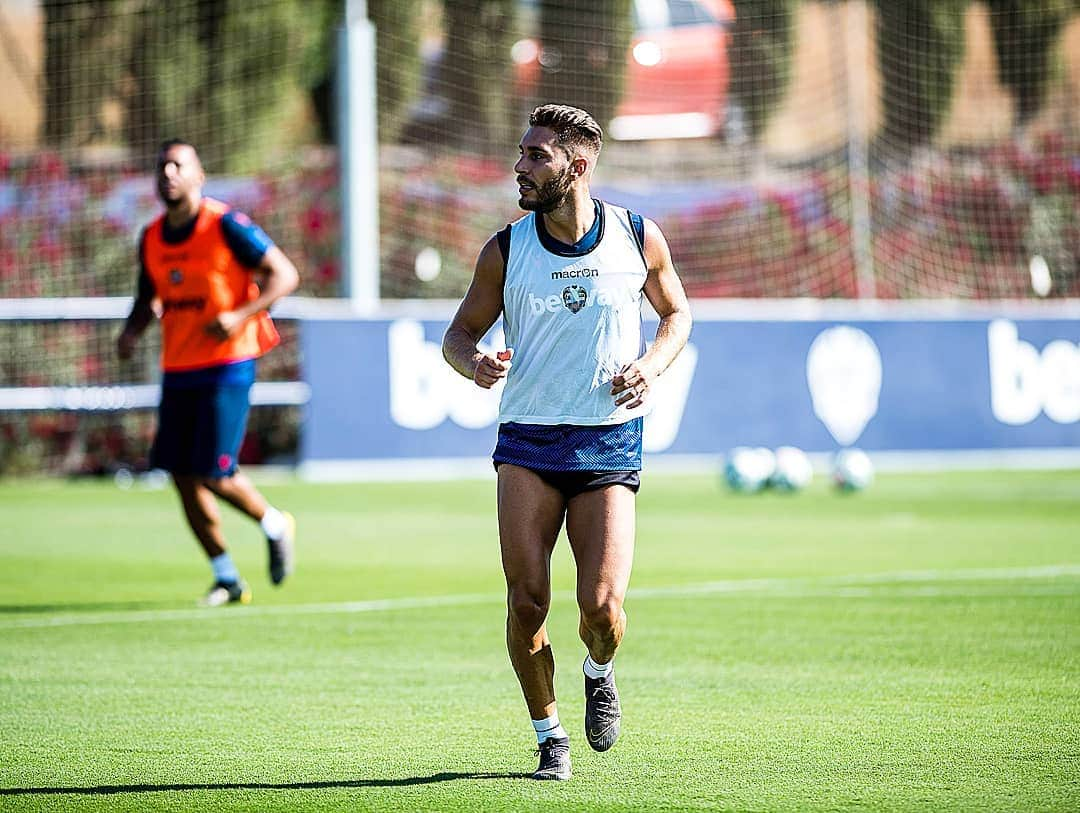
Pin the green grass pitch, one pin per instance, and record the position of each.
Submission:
(914, 647)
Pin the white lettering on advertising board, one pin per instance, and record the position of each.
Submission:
(1025, 381)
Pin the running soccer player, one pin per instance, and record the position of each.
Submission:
(568, 279)
(211, 274)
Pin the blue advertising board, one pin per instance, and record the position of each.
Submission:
(380, 389)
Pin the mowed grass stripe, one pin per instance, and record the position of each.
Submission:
(839, 587)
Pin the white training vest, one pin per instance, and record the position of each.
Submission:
(574, 322)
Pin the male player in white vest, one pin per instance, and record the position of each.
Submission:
(568, 279)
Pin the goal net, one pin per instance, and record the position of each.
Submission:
(864, 150)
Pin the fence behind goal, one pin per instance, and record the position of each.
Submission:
(787, 149)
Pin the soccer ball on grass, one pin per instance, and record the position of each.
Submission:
(748, 469)
(793, 471)
(852, 470)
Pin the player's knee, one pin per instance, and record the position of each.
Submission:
(602, 614)
(218, 485)
(527, 610)
(186, 484)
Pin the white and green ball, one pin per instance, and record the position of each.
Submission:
(793, 470)
(852, 470)
(748, 469)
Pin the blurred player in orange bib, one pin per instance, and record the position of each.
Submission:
(211, 275)
(569, 279)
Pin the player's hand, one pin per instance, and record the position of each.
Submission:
(631, 386)
(125, 345)
(491, 368)
(225, 324)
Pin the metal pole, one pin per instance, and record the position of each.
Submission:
(858, 94)
(359, 153)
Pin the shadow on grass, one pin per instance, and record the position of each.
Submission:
(106, 790)
(89, 607)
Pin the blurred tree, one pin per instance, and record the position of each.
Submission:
(398, 67)
(231, 76)
(398, 70)
(583, 60)
(81, 68)
(919, 45)
(476, 70)
(761, 46)
(465, 94)
(1025, 32)
(167, 95)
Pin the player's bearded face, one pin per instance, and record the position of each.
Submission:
(548, 196)
(178, 173)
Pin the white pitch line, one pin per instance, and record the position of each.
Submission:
(204, 614)
(895, 577)
(838, 586)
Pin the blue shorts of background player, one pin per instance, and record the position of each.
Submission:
(202, 419)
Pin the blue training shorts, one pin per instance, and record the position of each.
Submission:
(201, 424)
(567, 447)
(574, 459)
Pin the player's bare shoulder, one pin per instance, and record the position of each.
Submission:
(663, 288)
(490, 263)
(656, 250)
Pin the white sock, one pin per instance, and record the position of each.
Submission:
(225, 571)
(273, 523)
(549, 727)
(596, 670)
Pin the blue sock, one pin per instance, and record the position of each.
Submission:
(225, 571)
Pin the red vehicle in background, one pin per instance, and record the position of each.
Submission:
(675, 85)
(677, 69)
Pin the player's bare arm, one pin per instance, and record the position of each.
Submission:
(665, 293)
(142, 314)
(277, 277)
(482, 305)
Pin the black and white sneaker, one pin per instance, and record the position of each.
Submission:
(283, 551)
(554, 759)
(221, 593)
(602, 712)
